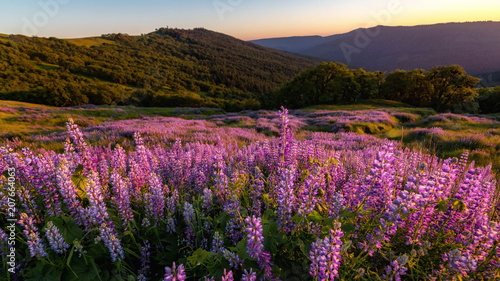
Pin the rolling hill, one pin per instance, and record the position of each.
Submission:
(168, 67)
(473, 45)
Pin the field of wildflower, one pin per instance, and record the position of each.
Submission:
(308, 195)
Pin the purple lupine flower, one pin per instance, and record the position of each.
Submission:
(3, 239)
(79, 248)
(45, 183)
(104, 176)
(459, 263)
(35, 243)
(207, 198)
(234, 260)
(256, 192)
(144, 270)
(286, 137)
(172, 202)
(220, 180)
(307, 196)
(217, 243)
(56, 241)
(175, 273)
(255, 246)
(286, 198)
(142, 153)
(119, 160)
(97, 212)
(396, 269)
(83, 150)
(249, 275)
(137, 178)
(189, 219)
(121, 197)
(325, 255)
(232, 206)
(233, 230)
(255, 238)
(170, 224)
(155, 202)
(108, 236)
(228, 276)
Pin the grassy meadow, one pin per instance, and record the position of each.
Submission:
(444, 134)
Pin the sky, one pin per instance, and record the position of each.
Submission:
(243, 19)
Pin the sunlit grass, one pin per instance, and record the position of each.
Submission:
(90, 41)
(446, 135)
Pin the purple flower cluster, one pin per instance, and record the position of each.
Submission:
(109, 236)
(56, 241)
(35, 243)
(255, 246)
(325, 255)
(175, 273)
(228, 276)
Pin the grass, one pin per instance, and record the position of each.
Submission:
(362, 105)
(90, 41)
(482, 139)
(47, 66)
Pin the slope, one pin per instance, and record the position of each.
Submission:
(169, 67)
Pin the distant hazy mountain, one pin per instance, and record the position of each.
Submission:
(474, 45)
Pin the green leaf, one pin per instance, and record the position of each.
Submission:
(303, 248)
(346, 245)
(43, 272)
(346, 214)
(85, 271)
(79, 181)
(131, 252)
(242, 249)
(459, 205)
(315, 216)
(79, 169)
(222, 218)
(442, 205)
(297, 219)
(348, 228)
(5, 173)
(198, 257)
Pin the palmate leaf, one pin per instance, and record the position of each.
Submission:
(315, 216)
(459, 205)
(85, 270)
(199, 256)
(43, 272)
(441, 205)
(79, 180)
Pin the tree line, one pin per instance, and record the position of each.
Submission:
(444, 88)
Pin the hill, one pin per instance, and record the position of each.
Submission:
(473, 45)
(168, 67)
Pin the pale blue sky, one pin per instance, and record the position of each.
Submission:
(244, 19)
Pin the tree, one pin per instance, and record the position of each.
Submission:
(450, 86)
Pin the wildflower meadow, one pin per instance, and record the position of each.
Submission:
(233, 205)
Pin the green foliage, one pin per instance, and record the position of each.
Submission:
(443, 88)
(170, 67)
(328, 83)
(489, 100)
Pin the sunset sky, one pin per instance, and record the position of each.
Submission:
(244, 19)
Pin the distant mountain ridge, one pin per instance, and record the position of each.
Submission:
(474, 45)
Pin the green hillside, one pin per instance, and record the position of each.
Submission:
(169, 67)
